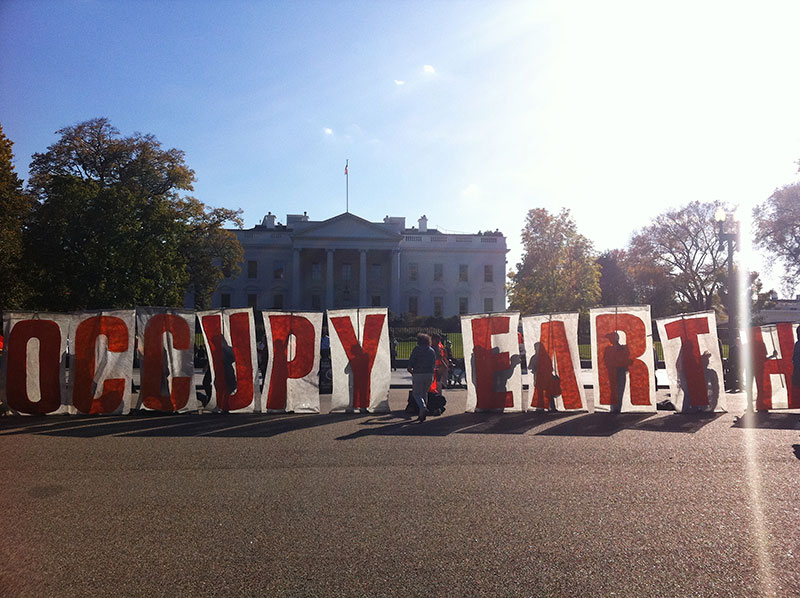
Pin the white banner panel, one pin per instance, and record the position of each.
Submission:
(622, 359)
(291, 382)
(492, 362)
(166, 348)
(777, 385)
(554, 362)
(230, 339)
(360, 359)
(693, 361)
(33, 376)
(101, 361)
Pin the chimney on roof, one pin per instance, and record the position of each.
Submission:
(396, 223)
(423, 224)
(269, 220)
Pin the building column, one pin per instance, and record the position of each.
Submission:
(296, 299)
(329, 279)
(362, 278)
(394, 282)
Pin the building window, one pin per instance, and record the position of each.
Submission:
(413, 271)
(277, 271)
(438, 272)
(252, 301)
(376, 272)
(413, 305)
(316, 302)
(225, 300)
(347, 272)
(252, 269)
(488, 273)
(316, 271)
(463, 272)
(277, 301)
(438, 307)
(488, 305)
(376, 301)
(463, 305)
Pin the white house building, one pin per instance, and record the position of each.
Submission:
(784, 310)
(346, 261)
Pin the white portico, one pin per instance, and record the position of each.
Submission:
(347, 261)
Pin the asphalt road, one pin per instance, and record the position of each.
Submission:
(374, 505)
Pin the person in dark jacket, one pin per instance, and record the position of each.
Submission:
(420, 366)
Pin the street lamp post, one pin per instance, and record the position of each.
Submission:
(728, 231)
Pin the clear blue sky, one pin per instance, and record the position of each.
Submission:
(469, 112)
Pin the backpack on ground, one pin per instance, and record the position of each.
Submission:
(436, 404)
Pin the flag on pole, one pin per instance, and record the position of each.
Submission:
(345, 166)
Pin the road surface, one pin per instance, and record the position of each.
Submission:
(465, 504)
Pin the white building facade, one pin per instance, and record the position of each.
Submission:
(784, 310)
(347, 261)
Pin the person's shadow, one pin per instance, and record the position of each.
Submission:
(501, 377)
(712, 381)
(541, 366)
(618, 359)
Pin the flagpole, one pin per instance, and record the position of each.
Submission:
(347, 185)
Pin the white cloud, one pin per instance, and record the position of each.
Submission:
(398, 82)
(429, 70)
(327, 131)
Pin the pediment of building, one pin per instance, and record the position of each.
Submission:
(346, 227)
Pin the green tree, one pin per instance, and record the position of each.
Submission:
(683, 244)
(651, 285)
(758, 298)
(558, 271)
(15, 207)
(209, 249)
(616, 285)
(777, 229)
(111, 227)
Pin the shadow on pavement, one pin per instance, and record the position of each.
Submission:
(686, 423)
(396, 423)
(768, 421)
(596, 424)
(257, 425)
(401, 424)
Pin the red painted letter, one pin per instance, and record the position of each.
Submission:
(83, 391)
(553, 339)
(154, 366)
(691, 361)
(240, 352)
(282, 368)
(49, 336)
(361, 356)
(614, 359)
(763, 366)
(488, 363)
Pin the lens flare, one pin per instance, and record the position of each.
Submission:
(747, 260)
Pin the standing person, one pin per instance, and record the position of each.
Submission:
(448, 349)
(442, 365)
(325, 345)
(393, 344)
(420, 366)
(261, 354)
